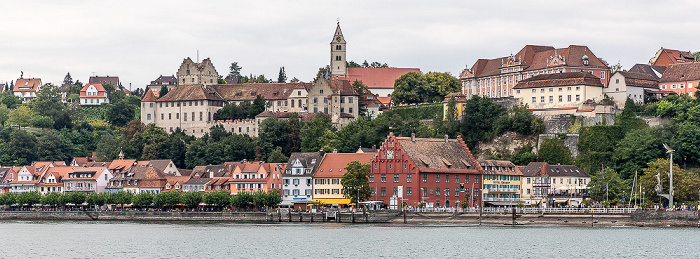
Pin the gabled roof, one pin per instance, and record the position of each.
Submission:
(191, 93)
(532, 57)
(112, 80)
(639, 79)
(27, 84)
(333, 164)
(164, 80)
(198, 181)
(654, 71)
(681, 72)
(146, 176)
(119, 165)
(248, 92)
(341, 87)
(559, 79)
(95, 170)
(499, 167)
(666, 57)
(307, 160)
(378, 77)
(161, 164)
(203, 171)
(149, 96)
(545, 169)
(101, 92)
(439, 155)
(172, 180)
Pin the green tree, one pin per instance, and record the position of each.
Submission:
(355, 182)
(611, 187)
(28, 198)
(96, 199)
(8, 198)
(120, 113)
(406, 89)
(9, 99)
(312, 132)
(23, 147)
(40, 121)
(51, 199)
(76, 198)
(191, 199)
(282, 77)
(49, 148)
(235, 70)
(276, 156)
(273, 198)
(4, 114)
(554, 151)
(143, 199)
(122, 198)
(361, 89)
(218, 198)
(477, 121)
(242, 200)
(524, 156)
(597, 145)
(685, 184)
(169, 198)
(640, 147)
(272, 133)
(21, 116)
(163, 91)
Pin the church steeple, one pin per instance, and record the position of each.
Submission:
(338, 61)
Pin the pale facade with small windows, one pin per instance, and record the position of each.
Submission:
(336, 98)
(631, 85)
(559, 92)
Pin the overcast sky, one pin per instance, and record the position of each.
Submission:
(140, 40)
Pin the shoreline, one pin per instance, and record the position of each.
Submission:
(637, 219)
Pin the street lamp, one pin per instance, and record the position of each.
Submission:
(670, 177)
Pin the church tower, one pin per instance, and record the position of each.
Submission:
(338, 65)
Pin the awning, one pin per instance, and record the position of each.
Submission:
(561, 200)
(333, 201)
(503, 203)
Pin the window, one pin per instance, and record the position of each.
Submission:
(466, 179)
(561, 98)
(542, 90)
(384, 178)
(578, 97)
(371, 178)
(534, 99)
(396, 178)
(437, 178)
(568, 88)
(534, 91)
(541, 99)
(456, 192)
(396, 191)
(409, 178)
(681, 86)
(456, 178)
(409, 191)
(476, 179)
(148, 116)
(383, 191)
(528, 180)
(551, 98)
(602, 74)
(437, 191)
(425, 178)
(578, 88)
(568, 98)
(551, 89)
(517, 91)
(447, 191)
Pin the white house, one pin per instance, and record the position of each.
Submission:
(93, 94)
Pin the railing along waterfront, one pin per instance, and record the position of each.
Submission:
(532, 210)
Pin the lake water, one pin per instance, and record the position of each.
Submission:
(82, 239)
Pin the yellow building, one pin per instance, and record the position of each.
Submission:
(327, 188)
(460, 105)
(501, 184)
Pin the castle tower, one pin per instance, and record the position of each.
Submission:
(338, 65)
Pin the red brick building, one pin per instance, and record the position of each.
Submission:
(425, 170)
(666, 57)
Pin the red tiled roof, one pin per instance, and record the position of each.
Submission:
(27, 84)
(341, 87)
(559, 79)
(100, 91)
(639, 79)
(191, 93)
(333, 164)
(499, 167)
(439, 155)
(248, 92)
(148, 97)
(536, 57)
(121, 164)
(378, 77)
(681, 72)
(384, 100)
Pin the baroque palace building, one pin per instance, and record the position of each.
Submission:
(495, 78)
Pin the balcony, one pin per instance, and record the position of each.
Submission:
(496, 189)
(501, 199)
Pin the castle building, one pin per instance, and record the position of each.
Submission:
(495, 78)
(191, 73)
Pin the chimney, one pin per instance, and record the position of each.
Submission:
(320, 152)
(374, 148)
(446, 138)
(335, 151)
(413, 137)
